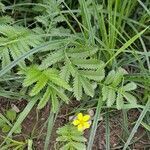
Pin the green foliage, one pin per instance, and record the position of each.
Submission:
(7, 121)
(6, 20)
(47, 81)
(2, 7)
(15, 41)
(50, 10)
(13, 144)
(74, 44)
(70, 138)
(79, 64)
(114, 90)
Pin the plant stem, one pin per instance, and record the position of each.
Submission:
(95, 123)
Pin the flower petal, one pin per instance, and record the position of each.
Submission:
(86, 125)
(86, 117)
(75, 122)
(80, 128)
(80, 116)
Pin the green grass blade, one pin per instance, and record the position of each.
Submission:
(146, 126)
(128, 43)
(30, 144)
(95, 123)
(144, 47)
(125, 124)
(142, 4)
(86, 19)
(49, 130)
(107, 134)
(51, 121)
(25, 55)
(5, 119)
(21, 117)
(101, 23)
(134, 130)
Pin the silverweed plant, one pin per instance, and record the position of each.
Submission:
(70, 138)
(82, 122)
(58, 55)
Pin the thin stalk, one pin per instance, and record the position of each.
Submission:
(107, 130)
(95, 123)
(49, 130)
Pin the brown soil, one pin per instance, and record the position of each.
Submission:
(33, 127)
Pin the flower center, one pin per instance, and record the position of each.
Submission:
(82, 122)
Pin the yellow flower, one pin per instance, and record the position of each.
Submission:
(82, 122)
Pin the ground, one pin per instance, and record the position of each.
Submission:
(33, 127)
